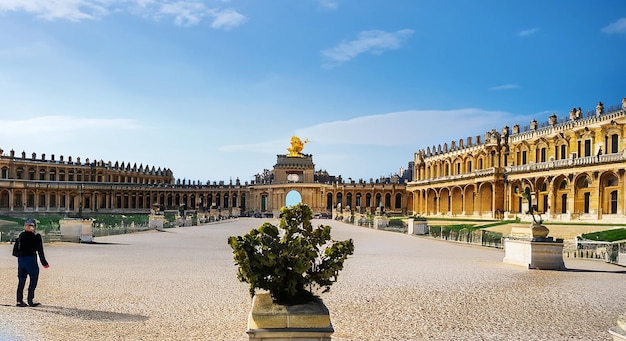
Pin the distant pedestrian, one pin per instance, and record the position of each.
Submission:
(30, 245)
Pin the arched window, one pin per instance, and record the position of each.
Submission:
(398, 201)
(582, 182)
(611, 181)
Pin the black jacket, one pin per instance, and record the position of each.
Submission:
(31, 245)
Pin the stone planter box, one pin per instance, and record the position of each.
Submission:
(419, 227)
(269, 321)
(544, 255)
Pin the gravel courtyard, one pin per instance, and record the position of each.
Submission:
(181, 285)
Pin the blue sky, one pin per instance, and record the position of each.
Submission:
(215, 89)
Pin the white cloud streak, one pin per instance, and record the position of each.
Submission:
(182, 12)
(617, 27)
(374, 41)
(504, 87)
(227, 19)
(328, 4)
(526, 33)
(185, 13)
(64, 124)
(339, 134)
(72, 10)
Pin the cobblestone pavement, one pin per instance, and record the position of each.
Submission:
(181, 285)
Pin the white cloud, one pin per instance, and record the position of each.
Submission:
(504, 87)
(382, 130)
(72, 10)
(328, 4)
(616, 27)
(183, 12)
(227, 19)
(526, 33)
(94, 138)
(368, 41)
(64, 124)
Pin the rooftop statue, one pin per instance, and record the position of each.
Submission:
(296, 147)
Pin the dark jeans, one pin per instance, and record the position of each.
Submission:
(27, 266)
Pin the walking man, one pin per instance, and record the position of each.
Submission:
(30, 245)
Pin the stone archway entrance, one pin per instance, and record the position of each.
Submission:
(293, 198)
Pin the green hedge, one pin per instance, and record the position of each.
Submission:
(607, 236)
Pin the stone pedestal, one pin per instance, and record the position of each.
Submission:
(76, 230)
(417, 227)
(380, 222)
(156, 221)
(274, 322)
(543, 254)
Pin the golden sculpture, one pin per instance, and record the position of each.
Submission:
(296, 147)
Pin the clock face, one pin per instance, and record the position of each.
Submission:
(293, 177)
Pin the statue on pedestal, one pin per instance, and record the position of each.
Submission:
(539, 231)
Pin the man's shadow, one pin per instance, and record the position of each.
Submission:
(92, 315)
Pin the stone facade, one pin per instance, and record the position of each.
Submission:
(31, 184)
(574, 168)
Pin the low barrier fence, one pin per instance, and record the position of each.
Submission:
(611, 252)
(475, 237)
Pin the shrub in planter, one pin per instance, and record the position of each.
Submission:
(290, 259)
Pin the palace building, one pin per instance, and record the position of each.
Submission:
(573, 167)
(50, 186)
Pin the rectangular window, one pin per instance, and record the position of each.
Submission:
(587, 147)
(614, 143)
(563, 152)
(523, 157)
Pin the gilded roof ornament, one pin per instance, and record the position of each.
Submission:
(296, 147)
